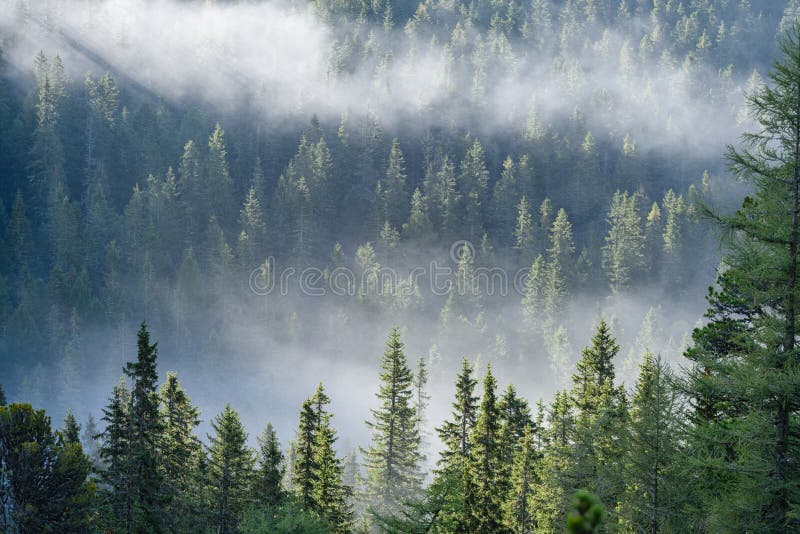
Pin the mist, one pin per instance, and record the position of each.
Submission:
(279, 60)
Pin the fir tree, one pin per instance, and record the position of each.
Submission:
(267, 484)
(230, 470)
(392, 460)
(115, 454)
(180, 452)
(484, 502)
(145, 431)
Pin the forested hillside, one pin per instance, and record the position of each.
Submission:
(271, 187)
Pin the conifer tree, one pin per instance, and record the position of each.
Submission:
(394, 191)
(115, 454)
(518, 506)
(330, 495)
(145, 431)
(304, 466)
(71, 433)
(449, 488)
(455, 433)
(515, 417)
(744, 382)
(623, 252)
(267, 484)
(524, 234)
(220, 184)
(230, 470)
(421, 400)
(180, 453)
(484, 502)
(392, 460)
(652, 497)
(601, 419)
(45, 477)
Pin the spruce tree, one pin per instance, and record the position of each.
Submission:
(304, 465)
(450, 485)
(623, 252)
(267, 484)
(330, 496)
(484, 501)
(181, 454)
(71, 433)
(115, 454)
(145, 432)
(653, 490)
(518, 514)
(230, 471)
(392, 460)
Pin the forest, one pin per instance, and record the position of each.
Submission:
(539, 259)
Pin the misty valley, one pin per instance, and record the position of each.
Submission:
(436, 266)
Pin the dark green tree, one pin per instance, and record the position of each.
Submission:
(267, 483)
(393, 458)
(230, 471)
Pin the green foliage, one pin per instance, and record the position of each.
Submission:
(287, 518)
(587, 514)
(45, 477)
(393, 458)
(230, 471)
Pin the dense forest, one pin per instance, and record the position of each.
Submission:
(519, 205)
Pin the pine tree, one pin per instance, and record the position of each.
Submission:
(561, 247)
(304, 465)
(394, 192)
(653, 489)
(524, 234)
(145, 429)
(623, 253)
(115, 454)
(504, 198)
(550, 497)
(220, 184)
(601, 419)
(515, 417)
(270, 470)
(230, 470)
(484, 503)
(455, 434)
(518, 507)
(46, 477)
(91, 443)
(180, 453)
(392, 460)
(421, 401)
(330, 495)
(71, 433)
(449, 488)
(744, 381)
(419, 225)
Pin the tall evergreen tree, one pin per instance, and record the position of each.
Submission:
(487, 492)
(267, 484)
(230, 471)
(114, 452)
(145, 429)
(653, 491)
(180, 453)
(744, 383)
(392, 460)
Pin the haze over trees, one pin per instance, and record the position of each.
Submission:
(487, 228)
